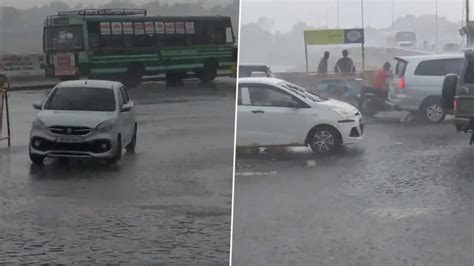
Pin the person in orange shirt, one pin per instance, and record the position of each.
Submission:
(380, 82)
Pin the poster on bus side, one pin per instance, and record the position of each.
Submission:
(138, 27)
(105, 28)
(180, 29)
(169, 27)
(127, 27)
(160, 27)
(189, 27)
(149, 28)
(116, 28)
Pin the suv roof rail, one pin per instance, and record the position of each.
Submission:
(105, 12)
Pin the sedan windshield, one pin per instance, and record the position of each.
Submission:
(303, 92)
(81, 99)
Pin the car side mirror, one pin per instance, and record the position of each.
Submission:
(449, 91)
(127, 107)
(37, 106)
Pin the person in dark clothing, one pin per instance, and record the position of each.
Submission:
(344, 64)
(323, 64)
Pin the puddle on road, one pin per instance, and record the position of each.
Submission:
(255, 173)
(403, 213)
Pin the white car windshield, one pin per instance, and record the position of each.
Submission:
(312, 96)
(81, 99)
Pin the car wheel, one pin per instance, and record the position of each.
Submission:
(36, 159)
(118, 152)
(432, 111)
(133, 143)
(324, 140)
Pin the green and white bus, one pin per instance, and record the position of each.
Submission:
(126, 44)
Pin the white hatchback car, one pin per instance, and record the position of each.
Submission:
(84, 118)
(274, 112)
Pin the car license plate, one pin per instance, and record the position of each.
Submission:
(69, 139)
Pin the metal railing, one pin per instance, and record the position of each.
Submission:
(105, 12)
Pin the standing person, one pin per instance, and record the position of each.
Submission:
(323, 64)
(344, 64)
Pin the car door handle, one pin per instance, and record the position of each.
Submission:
(258, 112)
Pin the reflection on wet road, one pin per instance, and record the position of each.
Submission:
(170, 202)
(404, 196)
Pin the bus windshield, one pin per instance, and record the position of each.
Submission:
(64, 38)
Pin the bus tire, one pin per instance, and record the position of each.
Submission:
(209, 72)
(174, 79)
(133, 76)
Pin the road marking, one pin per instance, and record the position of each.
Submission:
(395, 213)
(255, 173)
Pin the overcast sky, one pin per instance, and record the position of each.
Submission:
(377, 13)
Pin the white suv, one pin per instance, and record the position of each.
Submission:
(84, 118)
(418, 82)
(274, 112)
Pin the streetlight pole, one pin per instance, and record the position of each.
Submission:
(337, 14)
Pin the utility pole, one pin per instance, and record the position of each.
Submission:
(467, 12)
(468, 33)
(337, 14)
(392, 13)
(436, 14)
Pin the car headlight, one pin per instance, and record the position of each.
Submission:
(344, 113)
(38, 124)
(106, 126)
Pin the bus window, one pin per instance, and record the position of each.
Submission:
(205, 33)
(64, 38)
(98, 40)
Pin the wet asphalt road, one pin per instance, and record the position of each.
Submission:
(404, 196)
(168, 203)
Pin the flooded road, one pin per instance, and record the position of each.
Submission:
(403, 196)
(170, 202)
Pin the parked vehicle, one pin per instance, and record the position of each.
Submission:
(274, 112)
(417, 84)
(458, 95)
(405, 39)
(255, 71)
(84, 118)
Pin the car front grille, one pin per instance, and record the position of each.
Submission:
(96, 146)
(64, 130)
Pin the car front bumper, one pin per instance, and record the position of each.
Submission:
(352, 131)
(93, 145)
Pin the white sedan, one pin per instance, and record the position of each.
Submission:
(274, 112)
(84, 118)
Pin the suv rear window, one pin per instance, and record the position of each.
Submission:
(82, 99)
(400, 68)
(439, 67)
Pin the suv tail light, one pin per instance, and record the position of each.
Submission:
(456, 105)
(401, 83)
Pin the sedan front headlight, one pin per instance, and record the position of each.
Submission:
(106, 127)
(344, 113)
